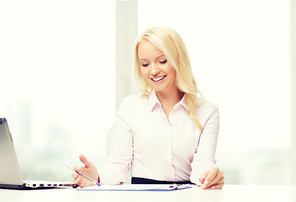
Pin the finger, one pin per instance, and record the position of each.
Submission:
(79, 181)
(75, 181)
(217, 179)
(74, 175)
(76, 168)
(207, 181)
(203, 177)
(219, 184)
(85, 161)
(222, 180)
(211, 175)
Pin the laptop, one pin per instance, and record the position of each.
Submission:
(10, 173)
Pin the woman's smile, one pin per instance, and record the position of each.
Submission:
(158, 79)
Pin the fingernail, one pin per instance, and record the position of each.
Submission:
(206, 181)
(213, 187)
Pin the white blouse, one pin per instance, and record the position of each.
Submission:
(158, 148)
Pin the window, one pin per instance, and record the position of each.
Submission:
(58, 82)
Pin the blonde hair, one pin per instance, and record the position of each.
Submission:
(173, 47)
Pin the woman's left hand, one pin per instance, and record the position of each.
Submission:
(213, 178)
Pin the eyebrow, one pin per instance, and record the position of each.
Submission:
(155, 58)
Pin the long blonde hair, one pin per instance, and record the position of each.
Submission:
(174, 49)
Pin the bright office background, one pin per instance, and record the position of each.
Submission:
(57, 70)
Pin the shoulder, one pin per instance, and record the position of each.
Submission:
(205, 108)
(133, 101)
(202, 103)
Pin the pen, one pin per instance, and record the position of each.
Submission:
(81, 174)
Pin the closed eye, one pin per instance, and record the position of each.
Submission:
(145, 65)
(163, 62)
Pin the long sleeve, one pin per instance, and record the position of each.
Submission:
(204, 158)
(152, 146)
(117, 168)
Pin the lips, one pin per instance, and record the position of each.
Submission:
(158, 78)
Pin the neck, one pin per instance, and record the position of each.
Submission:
(171, 98)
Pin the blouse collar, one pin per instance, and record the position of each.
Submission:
(155, 103)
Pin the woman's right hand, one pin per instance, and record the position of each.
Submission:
(89, 170)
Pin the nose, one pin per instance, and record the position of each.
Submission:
(154, 70)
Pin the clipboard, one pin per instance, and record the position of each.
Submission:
(137, 187)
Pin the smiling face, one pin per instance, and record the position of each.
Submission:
(155, 68)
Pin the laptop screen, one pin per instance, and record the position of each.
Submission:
(9, 170)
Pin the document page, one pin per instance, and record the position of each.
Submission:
(135, 187)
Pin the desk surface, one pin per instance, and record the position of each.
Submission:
(229, 193)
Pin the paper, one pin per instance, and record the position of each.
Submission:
(135, 187)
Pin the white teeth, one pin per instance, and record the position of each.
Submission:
(157, 79)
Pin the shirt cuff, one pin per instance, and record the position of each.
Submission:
(104, 177)
(200, 167)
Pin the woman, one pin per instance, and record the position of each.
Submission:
(167, 134)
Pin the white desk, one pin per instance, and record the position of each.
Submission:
(229, 193)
